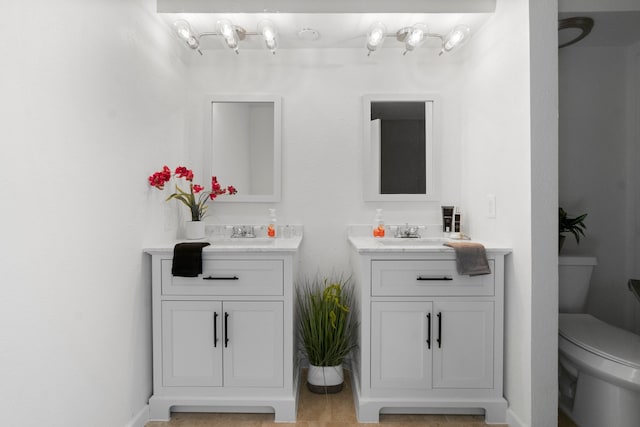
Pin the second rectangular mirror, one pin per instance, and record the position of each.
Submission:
(400, 146)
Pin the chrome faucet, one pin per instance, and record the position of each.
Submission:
(243, 231)
(408, 232)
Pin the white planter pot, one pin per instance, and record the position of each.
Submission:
(194, 230)
(325, 379)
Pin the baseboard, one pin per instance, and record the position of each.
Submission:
(140, 419)
(513, 420)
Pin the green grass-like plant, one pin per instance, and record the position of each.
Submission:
(326, 321)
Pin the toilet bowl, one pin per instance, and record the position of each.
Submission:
(599, 364)
(599, 372)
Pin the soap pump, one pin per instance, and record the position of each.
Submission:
(271, 228)
(378, 224)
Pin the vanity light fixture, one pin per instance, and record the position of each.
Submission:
(231, 34)
(414, 36)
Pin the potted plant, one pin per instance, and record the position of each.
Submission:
(326, 329)
(574, 226)
(195, 199)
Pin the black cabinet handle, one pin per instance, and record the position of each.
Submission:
(226, 332)
(429, 330)
(434, 278)
(439, 330)
(215, 329)
(220, 278)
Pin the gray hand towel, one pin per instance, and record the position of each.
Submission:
(471, 258)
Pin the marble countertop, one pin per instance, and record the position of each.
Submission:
(364, 244)
(228, 245)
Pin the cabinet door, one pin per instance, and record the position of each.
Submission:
(253, 344)
(400, 351)
(463, 357)
(190, 355)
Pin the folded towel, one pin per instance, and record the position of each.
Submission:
(187, 259)
(471, 258)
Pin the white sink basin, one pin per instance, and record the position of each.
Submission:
(257, 241)
(422, 241)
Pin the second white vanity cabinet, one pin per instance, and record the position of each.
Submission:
(426, 345)
(431, 340)
(223, 341)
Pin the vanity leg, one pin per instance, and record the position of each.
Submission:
(496, 413)
(159, 410)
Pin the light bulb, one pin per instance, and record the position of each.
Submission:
(456, 37)
(269, 33)
(228, 32)
(184, 32)
(182, 29)
(375, 36)
(415, 37)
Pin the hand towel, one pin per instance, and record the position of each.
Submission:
(187, 259)
(471, 258)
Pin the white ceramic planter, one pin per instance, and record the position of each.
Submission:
(194, 230)
(325, 379)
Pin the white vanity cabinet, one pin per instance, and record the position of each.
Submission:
(222, 344)
(431, 340)
(223, 341)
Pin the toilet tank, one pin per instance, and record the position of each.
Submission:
(574, 277)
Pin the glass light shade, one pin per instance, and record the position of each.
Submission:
(415, 36)
(456, 37)
(229, 34)
(375, 36)
(184, 32)
(182, 29)
(269, 33)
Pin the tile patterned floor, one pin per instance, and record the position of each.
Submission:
(315, 410)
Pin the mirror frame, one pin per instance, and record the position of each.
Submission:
(277, 145)
(371, 165)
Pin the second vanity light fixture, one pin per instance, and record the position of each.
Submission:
(231, 34)
(414, 36)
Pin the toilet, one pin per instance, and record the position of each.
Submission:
(599, 364)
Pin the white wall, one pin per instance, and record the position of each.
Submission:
(510, 151)
(90, 109)
(322, 134)
(91, 105)
(496, 160)
(486, 150)
(597, 93)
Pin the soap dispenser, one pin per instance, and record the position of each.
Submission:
(272, 227)
(378, 224)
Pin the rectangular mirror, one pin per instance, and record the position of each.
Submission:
(244, 145)
(400, 145)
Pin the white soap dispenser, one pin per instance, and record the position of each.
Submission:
(378, 224)
(273, 224)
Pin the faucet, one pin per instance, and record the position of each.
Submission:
(409, 232)
(243, 231)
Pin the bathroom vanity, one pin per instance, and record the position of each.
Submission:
(431, 340)
(223, 341)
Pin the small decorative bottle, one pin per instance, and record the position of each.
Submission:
(272, 227)
(378, 224)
